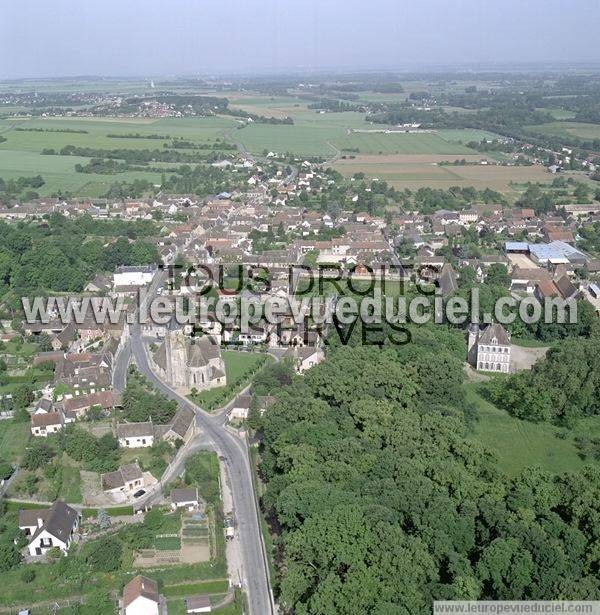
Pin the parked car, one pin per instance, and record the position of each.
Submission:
(139, 494)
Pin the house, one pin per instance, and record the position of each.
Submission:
(45, 423)
(565, 287)
(79, 405)
(182, 427)
(135, 435)
(490, 350)
(304, 357)
(185, 498)
(44, 406)
(240, 408)
(554, 233)
(127, 479)
(198, 604)
(50, 528)
(141, 597)
(545, 289)
(526, 279)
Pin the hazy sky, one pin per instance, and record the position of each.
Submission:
(153, 37)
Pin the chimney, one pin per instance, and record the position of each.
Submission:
(40, 522)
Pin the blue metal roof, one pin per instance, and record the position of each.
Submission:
(516, 246)
(554, 249)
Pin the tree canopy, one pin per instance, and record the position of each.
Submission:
(383, 503)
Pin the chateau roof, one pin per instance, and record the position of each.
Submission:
(495, 331)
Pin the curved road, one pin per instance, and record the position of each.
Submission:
(237, 458)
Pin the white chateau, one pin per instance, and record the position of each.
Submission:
(489, 350)
(190, 363)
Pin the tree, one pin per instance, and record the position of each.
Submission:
(497, 275)
(28, 575)
(38, 454)
(371, 475)
(23, 396)
(9, 556)
(104, 555)
(6, 470)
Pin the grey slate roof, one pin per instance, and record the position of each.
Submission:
(495, 331)
(118, 478)
(135, 430)
(184, 495)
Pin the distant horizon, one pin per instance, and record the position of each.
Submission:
(333, 71)
(178, 37)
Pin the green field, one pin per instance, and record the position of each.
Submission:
(20, 153)
(557, 113)
(465, 135)
(310, 135)
(521, 444)
(400, 143)
(315, 134)
(568, 129)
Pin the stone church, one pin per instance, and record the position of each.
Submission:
(190, 363)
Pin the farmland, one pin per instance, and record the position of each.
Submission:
(420, 171)
(568, 129)
(405, 160)
(20, 154)
(315, 134)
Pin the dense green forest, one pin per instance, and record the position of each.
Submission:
(63, 255)
(562, 388)
(372, 480)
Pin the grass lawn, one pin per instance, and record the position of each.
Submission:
(240, 367)
(191, 589)
(142, 455)
(521, 444)
(13, 440)
(70, 489)
(25, 349)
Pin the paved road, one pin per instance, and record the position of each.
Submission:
(237, 458)
(121, 366)
(123, 357)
